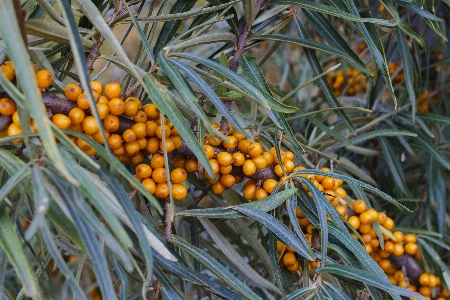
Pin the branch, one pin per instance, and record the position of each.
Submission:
(412, 267)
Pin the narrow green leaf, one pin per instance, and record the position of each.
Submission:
(323, 82)
(168, 289)
(368, 278)
(10, 243)
(279, 229)
(250, 11)
(291, 205)
(227, 248)
(357, 64)
(444, 120)
(14, 181)
(394, 165)
(326, 9)
(421, 12)
(170, 28)
(95, 253)
(267, 102)
(206, 89)
(17, 52)
(60, 263)
(433, 151)
(300, 293)
(408, 68)
(206, 38)
(141, 34)
(215, 267)
(184, 90)
(265, 205)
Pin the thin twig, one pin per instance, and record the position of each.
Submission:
(168, 222)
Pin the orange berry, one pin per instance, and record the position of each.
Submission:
(143, 171)
(96, 86)
(289, 259)
(238, 159)
(83, 100)
(410, 238)
(424, 279)
(341, 192)
(83, 145)
(162, 190)
(375, 243)
(150, 185)
(249, 192)
(385, 264)
(111, 123)
(249, 167)
(102, 110)
(260, 161)
(269, 185)
(9, 72)
(129, 136)
(209, 151)
(151, 128)
(138, 158)
(268, 157)
(224, 158)
(255, 149)
(115, 141)
(177, 141)
(131, 108)
(89, 125)
(278, 170)
(103, 100)
(44, 78)
(178, 175)
(142, 143)
(151, 110)
(243, 146)
(217, 188)
(179, 191)
(191, 165)
(399, 236)
(354, 221)
(157, 161)
(132, 148)
(227, 180)
(140, 117)
(433, 281)
(120, 151)
(116, 106)
(225, 169)
(231, 144)
(7, 106)
(411, 248)
(239, 136)
(152, 145)
(261, 194)
(425, 291)
(373, 213)
(342, 210)
(398, 249)
(14, 129)
(61, 121)
(319, 178)
(159, 175)
(166, 131)
(382, 218)
(366, 218)
(389, 224)
(112, 90)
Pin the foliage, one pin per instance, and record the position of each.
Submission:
(359, 86)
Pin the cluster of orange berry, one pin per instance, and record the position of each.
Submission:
(360, 217)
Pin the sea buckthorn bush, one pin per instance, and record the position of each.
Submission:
(277, 149)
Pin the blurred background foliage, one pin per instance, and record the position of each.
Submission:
(358, 86)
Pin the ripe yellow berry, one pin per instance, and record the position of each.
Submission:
(113, 90)
(269, 185)
(209, 151)
(268, 157)
(249, 167)
(249, 192)
(224, 158)
(366, 218)
(152, 145)
(151, 110)
(354, 221)
(399, 236)
(260, 161)
(111, 123)
(191, 165)
(44, 78)
(8, 72)
(243, 146)
(225, 169)
(150, 185)
(328, 183)
(7, 106)
(166, 131)
(227, 180)
(143, 171)
(129, 136)
(89, 125)
(389, 224)
(157, 161)
(61, 121)
(341, 192)
(159, 175)
(116, 106)
(132, 148)
(231, 144)
(178, 175)
(255, 149)
(411, 248)
(140, 117)
(179, 191)
(359, 206)
(14, 129)
(289, 259)
(162, 190)
(424, 279)
(260, 194)
(238, 159)
(218, 188)
(131, 108)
